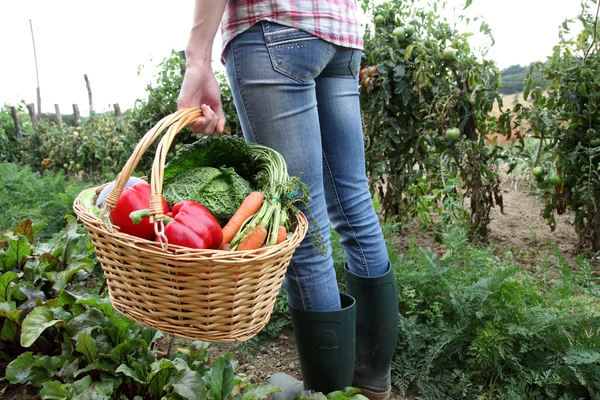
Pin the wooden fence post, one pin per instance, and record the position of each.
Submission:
(89, 89)
(58, 116)
(15, 117)
(76, 115)
(31, 109)
(183, 65)
(117, 109)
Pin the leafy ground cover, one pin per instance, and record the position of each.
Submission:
(487, 300)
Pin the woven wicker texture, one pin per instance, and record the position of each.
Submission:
(198, 294)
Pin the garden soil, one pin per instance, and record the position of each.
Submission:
(520, 230)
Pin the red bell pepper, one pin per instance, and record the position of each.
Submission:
(135, 198)
(193, 226)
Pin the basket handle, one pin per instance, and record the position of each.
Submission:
(175, 122)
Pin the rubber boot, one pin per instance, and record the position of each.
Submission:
(376, 332)
(326, 349)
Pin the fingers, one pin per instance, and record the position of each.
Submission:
(209, 123)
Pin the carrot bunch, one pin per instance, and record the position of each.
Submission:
(251, 205)
(262, 217)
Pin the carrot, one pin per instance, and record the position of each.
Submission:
(254, 240)
(249, 207)
(281, 234)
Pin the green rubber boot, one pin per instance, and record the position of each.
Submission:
(376, 332)
(326, 348)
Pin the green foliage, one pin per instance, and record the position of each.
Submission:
(94, 150)
(211, 151)
(44, 198)
(10, 149)
(423, 86)
(60, 340)
(564, 115)
(473, 325)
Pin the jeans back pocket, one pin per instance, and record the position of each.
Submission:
(295, 53)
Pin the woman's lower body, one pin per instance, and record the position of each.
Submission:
(299, 95)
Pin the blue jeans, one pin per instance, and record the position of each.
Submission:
(299, 95)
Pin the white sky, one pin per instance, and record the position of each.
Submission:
(110, 39)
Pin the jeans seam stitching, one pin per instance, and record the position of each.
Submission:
(242, 95)
(341, 209)
(300, 291)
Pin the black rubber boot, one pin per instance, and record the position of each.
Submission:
(326, 344)
(376, 332)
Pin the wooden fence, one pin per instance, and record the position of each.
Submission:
(34, 117)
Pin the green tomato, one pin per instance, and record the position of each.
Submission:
(410, 30)
(66, 166)
(379, 19)
(449, 54)
(400, 33)
(595, 142)
(537, 171)
(554, 180)
(543, 185)
(453, 134)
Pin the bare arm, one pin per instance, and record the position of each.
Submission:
(200, 87)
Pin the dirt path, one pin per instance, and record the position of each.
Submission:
(520, 230)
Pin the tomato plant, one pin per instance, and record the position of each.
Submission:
(564, 112)
(431, 90)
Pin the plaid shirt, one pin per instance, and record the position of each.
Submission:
(334, 21)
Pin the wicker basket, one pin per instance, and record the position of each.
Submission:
(207, 295)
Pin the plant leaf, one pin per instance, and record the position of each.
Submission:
(10, 330)
(18, 248)
(162, 371)
(138, 375)
(86, 322)
(87, 347)
(64, 277)
(190, 386)
(25, 228)
(222, 378)
(19, 369)
(35, 323)
(87, 389)
(252, 392)
(5, 288)
(57, 390)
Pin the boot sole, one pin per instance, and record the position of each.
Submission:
(376, 395)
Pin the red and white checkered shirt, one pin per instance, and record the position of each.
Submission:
(335, 21)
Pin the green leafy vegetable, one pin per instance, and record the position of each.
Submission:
(211, 151)
(220, 190)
